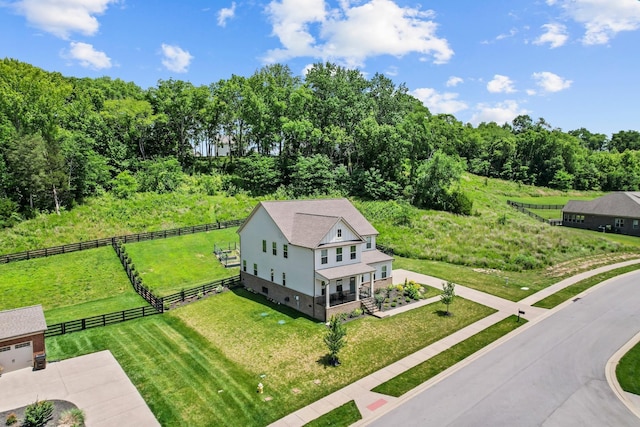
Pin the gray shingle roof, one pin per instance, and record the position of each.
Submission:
(345, 270)
(22, 321)
(306, 222)
(371, 257)
(618, 204)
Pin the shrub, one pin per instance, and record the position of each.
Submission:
(38, 414)
(407, 299)
(393, 304)
(73, 417)
(356, 313)
(12, 418)
(412, 290)
(219, 288)
(199, 296)
(380, 298)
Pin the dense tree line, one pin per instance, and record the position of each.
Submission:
(335, 131)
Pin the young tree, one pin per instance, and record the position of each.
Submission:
(335, 339)
(447, 295)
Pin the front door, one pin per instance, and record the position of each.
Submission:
(352, 285)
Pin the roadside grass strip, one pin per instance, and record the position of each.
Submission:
(428, 369)
(570, 291)
(167, 266)
(342, 416)
(628, 371)
(69, 286)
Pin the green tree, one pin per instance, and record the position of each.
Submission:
(435, 180)
(312, 175)
(335, 339)
(258, 174)
(447, 295)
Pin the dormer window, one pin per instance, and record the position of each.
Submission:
(368, 242)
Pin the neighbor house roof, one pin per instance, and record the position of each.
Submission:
(22, 321)
(306, 222)
(618, 204)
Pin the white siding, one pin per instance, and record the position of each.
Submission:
(373, 243)
(298, 266)
(331, 256)
(347, 235)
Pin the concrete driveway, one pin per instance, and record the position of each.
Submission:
(95, 383)
(550, 374)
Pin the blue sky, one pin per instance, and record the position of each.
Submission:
(572, 62)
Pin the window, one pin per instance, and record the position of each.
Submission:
(284, 279)
(285, 251)
(353, 252)
(339, 285)
(265, 290)
(323, 256)
(384, 271)
(635, 224)
(272, 274)
(323, 285)
(339, 232)
(338, 254)
(5, 349)
(264, 246)
(255, 269)
(24, 344)
(244, 265)
(619, 222)
(368, 242)
(274, 248)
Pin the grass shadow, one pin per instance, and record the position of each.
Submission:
(261, 299)
(443, 313)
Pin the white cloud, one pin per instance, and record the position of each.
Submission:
(531, 92)
(454, 81)
(63, 17)
(175, 58)
(500, 84)
(502, 112)
(602, 19)
(88, 56)
(512, 32)
(225, 14)
(391, 71)
(551, 82)
(555, 35)
(352, 33)
(437, 103)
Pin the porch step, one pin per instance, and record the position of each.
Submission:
(369, 304)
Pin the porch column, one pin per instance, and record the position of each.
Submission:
(371, 284)
(326, 294)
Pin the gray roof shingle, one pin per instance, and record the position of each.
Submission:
(618, 204)
(22, 321)
(306, 222)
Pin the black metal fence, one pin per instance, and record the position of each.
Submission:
(99, 321)
(128, 238)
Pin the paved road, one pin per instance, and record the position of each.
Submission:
(551, 374)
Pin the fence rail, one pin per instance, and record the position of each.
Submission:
(524, 208)
(135, 279)
(127, 238)
(99, 321)
(229, 282)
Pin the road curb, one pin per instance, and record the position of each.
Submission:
(612, 379)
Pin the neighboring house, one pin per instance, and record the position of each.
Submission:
(317, 256)
(617, 212)
(21, 337)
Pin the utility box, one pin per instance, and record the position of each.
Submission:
(39, 361)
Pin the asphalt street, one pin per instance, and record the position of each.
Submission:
(551, 374)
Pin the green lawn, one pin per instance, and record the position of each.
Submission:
(180, 360)
(548, 213)
(558, 199)
(169, 265)
(570, 291)
(628, 370)
(69, 286)
(428, 369)
(342, 416)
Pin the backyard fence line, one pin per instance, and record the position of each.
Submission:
(135, 279)
(200, 290)
(99, 321)
(524, 208)
(127, 238)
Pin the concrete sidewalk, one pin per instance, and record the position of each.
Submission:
(95, 383)
(372, 404)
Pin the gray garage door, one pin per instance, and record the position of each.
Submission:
(16, 356)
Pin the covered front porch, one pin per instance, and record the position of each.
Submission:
(344, 284)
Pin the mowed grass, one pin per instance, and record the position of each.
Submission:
(69, 286)
(288, 349)
(428, 369)
(628, 370)
(548, 213)
(570, 291)
(169, 265)
(342, 416)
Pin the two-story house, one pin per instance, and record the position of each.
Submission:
(317, 256)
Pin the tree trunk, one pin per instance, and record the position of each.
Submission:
(55, 199)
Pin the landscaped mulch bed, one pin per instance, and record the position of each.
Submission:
(59, 406)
